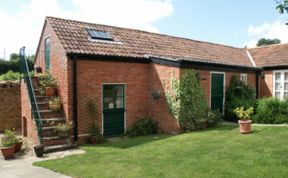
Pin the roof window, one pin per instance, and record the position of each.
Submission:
(99, 35)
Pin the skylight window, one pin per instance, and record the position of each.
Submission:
(99, 35)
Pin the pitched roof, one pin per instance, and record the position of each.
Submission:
(270, 56)
(140, 44)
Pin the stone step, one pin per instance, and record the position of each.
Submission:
(46, 114)
(42, 98)
(55, 140)
(50, 149)
(43, 105)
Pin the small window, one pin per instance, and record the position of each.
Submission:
(47, 54)
(100, 35)
(243, 78)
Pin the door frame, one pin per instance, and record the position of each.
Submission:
(224, 82)
(102, 107)
(282, 82)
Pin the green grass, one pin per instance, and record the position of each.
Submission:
(218, 152)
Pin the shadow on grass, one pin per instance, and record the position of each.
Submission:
(128, 142)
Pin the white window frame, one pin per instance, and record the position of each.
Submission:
(244, 78)
(282, 82)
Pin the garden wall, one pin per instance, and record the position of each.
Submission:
(10, 105)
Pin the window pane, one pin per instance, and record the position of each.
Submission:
(277, 86)
(119, 103)
(108, 100)
(277, 95)
(277, 76)
(286, 86)
(119, 91)
(286, 76)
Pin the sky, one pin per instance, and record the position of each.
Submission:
(230, 22)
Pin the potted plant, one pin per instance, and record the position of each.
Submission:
(96, 136)
(18, 144)
(244, 119)
(55, 103)
(48, 83)
(63, 130)
(39, 150)
(8, 142)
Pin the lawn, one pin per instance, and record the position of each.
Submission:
(217, 152)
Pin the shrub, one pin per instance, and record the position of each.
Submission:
(10, 76)
(271, 111)
(9, 138)
(244, 114)
(238, 95)
(47, 80)
(214, 118)
(14, 65)
(193, 104)
(145, 126)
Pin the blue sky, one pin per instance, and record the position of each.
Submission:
(236, 23)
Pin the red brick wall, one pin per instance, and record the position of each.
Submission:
(160, 79)
(90, 77)
(59, 64)
(28, 126)
(266, 84)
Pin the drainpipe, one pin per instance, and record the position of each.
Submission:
(75, 98)
(257, 84)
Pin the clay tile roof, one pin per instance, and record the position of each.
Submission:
(140, 44)
(269, 56)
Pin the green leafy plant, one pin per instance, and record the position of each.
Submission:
(193, 104)
(55, 100)
(144, 126)
(9, 138)
(65, 127)
(271, 111)
(47, 80)
(214, 117)
(173, 97)
(243, 114)
(238, 95)
(10, 76)
(96, 132)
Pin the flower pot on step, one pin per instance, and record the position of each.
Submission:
(54, 106)
(8, 152)
(39, 150)
(49, 91)
(245, 126)
(18, 146)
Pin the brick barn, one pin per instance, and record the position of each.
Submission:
(119, 69)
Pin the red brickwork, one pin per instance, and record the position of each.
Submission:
(266, 84)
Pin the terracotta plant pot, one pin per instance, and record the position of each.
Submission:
(49, 91)
(245, 126)
(8, 152)
(18, 147)
(54, 106)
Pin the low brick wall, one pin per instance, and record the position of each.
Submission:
(10, 105)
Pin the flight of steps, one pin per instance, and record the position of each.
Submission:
(50, 119)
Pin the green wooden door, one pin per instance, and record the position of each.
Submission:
(113, 110)
(217, 91)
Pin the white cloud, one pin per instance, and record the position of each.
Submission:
(24, 27)
(276, 29)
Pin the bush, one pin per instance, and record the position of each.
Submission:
(47, 80)
(10, 76)
(145, 126)
(193, 104)
(9, 138)
(14, 65)
(238, 95)
(271, 111)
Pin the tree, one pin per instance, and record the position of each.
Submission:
(266, 41)
(14, 57)
(282, 6)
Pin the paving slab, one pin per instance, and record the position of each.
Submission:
(21, 166)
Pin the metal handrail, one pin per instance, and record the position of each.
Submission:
(27, 78)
